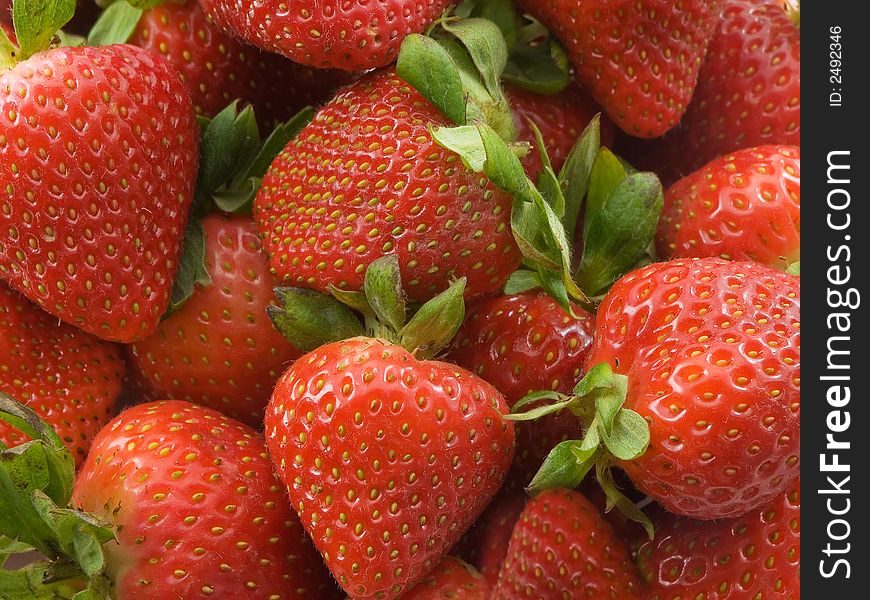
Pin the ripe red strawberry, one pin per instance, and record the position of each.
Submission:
(387, 459)
(755, 556)
(98, 160)
(639, 59)
(354, 35)
(69, 378)
(366, 179)
(561, 119)
(486, 543)
(218, 69)
(711, 350)
(452, 578)
(197, 509)
(220, 349)
(742, 206)
(521, 344)
(562, 547)
(748, 94)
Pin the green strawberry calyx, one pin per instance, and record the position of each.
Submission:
(612, 433)
(118, 20)
(36, 482)
(36, 24)
(459, 68)
(233, 161)
(309, 319)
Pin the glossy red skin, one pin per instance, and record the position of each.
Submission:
(640, 65)
(561, 118)
(755, 556)
(452, 578)
(190, 489)
(562, 547)
(354, 35)
(69, 378)
(521, 344)
(366, 179)
(101, 259)
(486, 543)
(742, 206)
(422, 443)
(220, 349)
(748, 94)
(218, 68)
(711, 349)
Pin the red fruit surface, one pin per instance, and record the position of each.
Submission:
(69, 378)
(748, 94)
(452, 578)
(712, 353)
(98, 158)
(742, 206)
(562, 547)
(387, 459)
(354, 35)
(561, 119)
(638, 58)
(220, 349)
(198, 510)
(217, 68)
(755, 556)
(521, 344)
(485, 545)
(366, 179)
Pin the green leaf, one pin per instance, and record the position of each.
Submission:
(354, 300)
(565, 467)
(630, 436)
(226, 142)
(428, 68)
(37, 21)
(537, 62)
(437, 321)
(521, 281)
(8, 51)
(309, 319)
(28, 583)
(607, 173)
(192, 268)
(487, 48)
(115, 25)
(574, 176)
(519, 412)
(383, 290)
(503, 14)
(794, 268)
(466, 142)
(617, 234)
(609, 401)
(615, 498)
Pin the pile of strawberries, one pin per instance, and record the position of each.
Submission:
(400, 299)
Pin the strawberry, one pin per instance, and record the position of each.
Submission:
(485, 545)
(521, 344)
(354, 35)
(365, 179)
(219, 349)
(754, 556)
(388, 459)
(711, 351)
(218, 69)
(562, 547)
(196, 508)
(98, 162)
(561, 118)
(742, 206)
(748, 94)
(452, 578)
(69, 378)
(639, 59)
